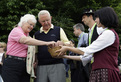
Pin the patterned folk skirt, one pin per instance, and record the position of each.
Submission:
(105, 75)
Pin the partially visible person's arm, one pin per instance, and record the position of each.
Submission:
(85, 60)
(72, 57)
(32, 41)
(103, 41)
(106, 39)
(18, 35)
(67, 48)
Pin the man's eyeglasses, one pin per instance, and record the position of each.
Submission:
(31, 24)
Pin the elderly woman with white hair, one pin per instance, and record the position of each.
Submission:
(14, 66)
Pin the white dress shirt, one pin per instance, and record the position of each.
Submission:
(106, 39)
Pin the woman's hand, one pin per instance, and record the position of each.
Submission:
(51, 44)
(54, 44)
(62, 51)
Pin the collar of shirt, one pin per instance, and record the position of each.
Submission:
(102, 30)
(99, 30)
(90, 29)
(41, 29)
(80, 35)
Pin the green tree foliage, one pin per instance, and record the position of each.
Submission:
(118, 11)
(12, 10)
(66, 24)
(65, 13)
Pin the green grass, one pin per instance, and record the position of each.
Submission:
(69, 78)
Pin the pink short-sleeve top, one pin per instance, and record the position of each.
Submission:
(14, 47)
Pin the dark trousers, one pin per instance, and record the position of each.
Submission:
(80, 73)
(14, 70)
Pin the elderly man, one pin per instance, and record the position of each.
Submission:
(49, 69)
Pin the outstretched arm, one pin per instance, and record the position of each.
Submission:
(32, 41)
(67, 48)
(72, 57)
(84, 60)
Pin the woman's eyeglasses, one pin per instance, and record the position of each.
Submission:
(31, 24)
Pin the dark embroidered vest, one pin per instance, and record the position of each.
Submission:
(44, 57)
(107, 58)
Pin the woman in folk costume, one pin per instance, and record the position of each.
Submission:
(104, 49)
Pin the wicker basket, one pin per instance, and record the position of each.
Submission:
(52, 50)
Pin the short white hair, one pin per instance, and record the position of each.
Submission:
(26, 18)
(42, 12)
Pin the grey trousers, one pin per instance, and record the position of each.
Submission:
(51, 73)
